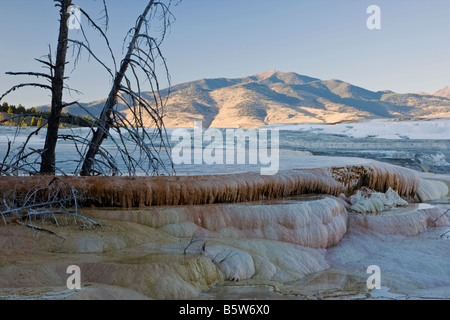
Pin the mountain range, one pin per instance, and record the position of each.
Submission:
(283, 97)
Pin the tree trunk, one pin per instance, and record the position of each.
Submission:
(104, 122)
(48, 156)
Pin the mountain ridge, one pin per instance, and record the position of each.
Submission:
(444, 92)
(282, 97)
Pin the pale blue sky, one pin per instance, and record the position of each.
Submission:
(236, 38)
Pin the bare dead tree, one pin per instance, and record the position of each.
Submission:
(58, 198)
(139, 148)
(56, 85)
(142, 55)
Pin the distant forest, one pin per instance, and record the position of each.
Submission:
(32, 117)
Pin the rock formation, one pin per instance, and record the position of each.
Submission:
(175, 237)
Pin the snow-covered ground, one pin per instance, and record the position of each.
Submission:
(433, 129)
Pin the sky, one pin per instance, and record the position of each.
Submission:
(325, 39)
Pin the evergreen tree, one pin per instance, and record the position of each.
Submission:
(21, 109)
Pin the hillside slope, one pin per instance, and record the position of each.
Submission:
(444, 92)
(283, 97)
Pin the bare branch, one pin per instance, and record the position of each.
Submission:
(38, 85)
(81, 44)
(442, 215)
(36, 74)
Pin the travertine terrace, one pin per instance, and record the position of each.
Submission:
(175, 237)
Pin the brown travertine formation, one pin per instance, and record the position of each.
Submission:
(379, 177)
(140, 192)
(183, 190)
